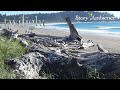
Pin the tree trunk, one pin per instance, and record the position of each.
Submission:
(73, 32)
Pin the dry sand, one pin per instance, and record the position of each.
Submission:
(112, 44)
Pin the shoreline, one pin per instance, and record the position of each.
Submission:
(109, 43)
(97, 32)
(50, 26)
(58, 29)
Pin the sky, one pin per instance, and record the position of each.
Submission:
(115, 13)
(25, 12)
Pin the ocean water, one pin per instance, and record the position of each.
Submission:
(103, 28)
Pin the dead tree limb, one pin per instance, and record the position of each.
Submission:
(73, 32)
(100, 47)
(15, 32)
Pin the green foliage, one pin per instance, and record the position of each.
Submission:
(93, 74)
(9, 49)
(46, 76)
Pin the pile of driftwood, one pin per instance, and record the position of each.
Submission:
(63, 57)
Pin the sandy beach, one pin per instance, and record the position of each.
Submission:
(112, 44)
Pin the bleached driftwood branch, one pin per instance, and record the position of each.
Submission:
(101, 48)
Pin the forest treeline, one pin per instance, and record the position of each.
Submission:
(57, 17)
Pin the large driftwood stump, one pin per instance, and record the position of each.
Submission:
(73, 32)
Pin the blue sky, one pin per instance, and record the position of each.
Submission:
(116, 13)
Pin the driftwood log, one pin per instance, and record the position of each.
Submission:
(8, 33)
(62, 62)
(73, 32)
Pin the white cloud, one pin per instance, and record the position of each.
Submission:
(25, 12)
(115, 13)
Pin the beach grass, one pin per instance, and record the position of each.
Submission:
(13, 49)
(9, 49)
(45, 75)
(94, 74)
